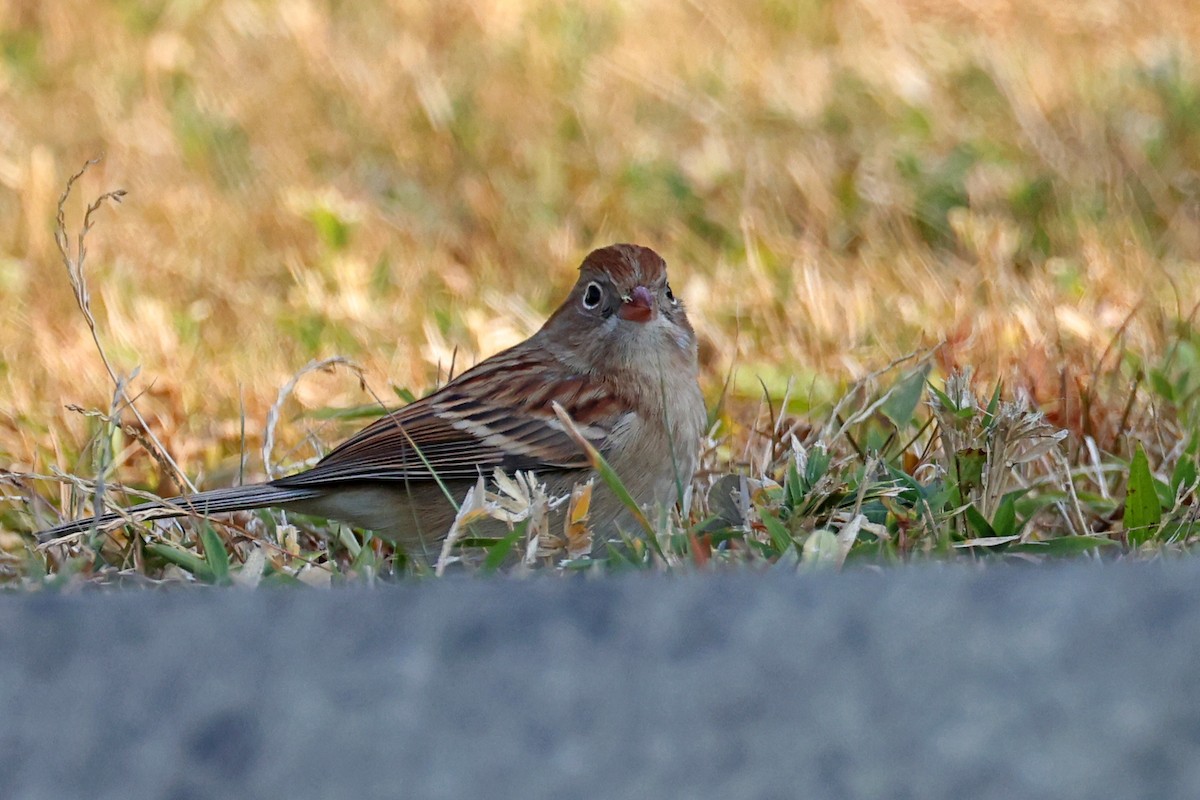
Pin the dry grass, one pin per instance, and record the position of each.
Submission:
(835, 185)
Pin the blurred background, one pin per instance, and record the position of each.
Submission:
(833, 184)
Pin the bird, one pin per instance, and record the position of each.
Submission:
(618, 356)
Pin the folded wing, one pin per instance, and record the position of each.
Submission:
(496, 415)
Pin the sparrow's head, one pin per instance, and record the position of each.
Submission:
(623, 313)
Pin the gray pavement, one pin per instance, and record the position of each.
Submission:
(1074, 681)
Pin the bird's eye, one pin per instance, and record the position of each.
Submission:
(671, 296)
(592, 295)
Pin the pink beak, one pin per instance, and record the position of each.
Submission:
(639, 307)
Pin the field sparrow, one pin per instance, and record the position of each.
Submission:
(619, 356)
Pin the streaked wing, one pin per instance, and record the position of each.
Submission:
(496, 415)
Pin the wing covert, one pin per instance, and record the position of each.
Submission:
(496, 415)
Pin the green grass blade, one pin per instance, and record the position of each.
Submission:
(1143, 513)
(214, 555)
(498, 552)
(906, 394)
(1062, 546)
(1005, 521)
(780, 537)
(184, 559)
(981, 526)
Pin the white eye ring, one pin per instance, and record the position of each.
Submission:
(671, 296)
(592, 295)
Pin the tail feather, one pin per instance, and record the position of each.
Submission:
(216, 501)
